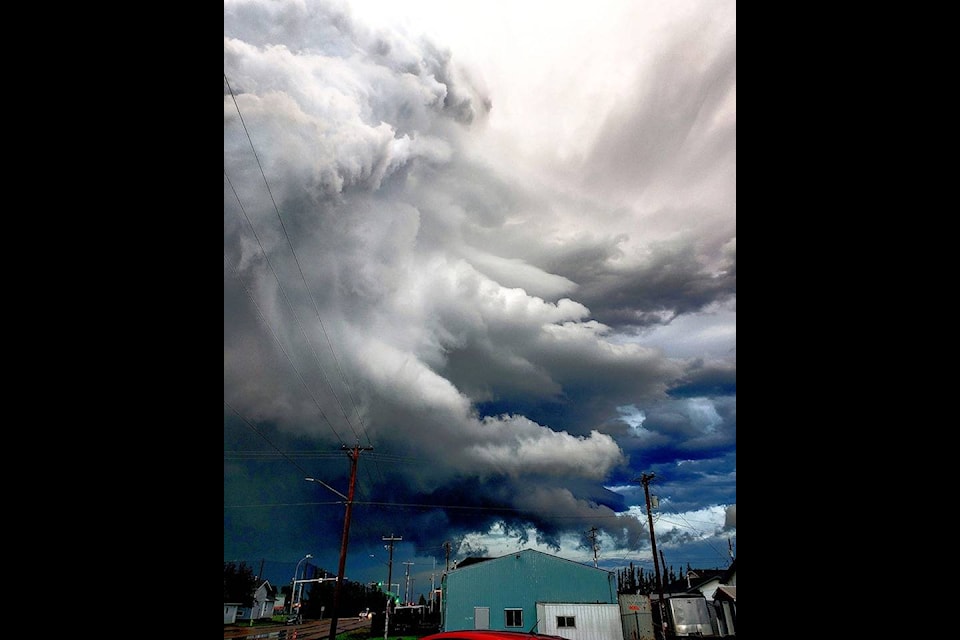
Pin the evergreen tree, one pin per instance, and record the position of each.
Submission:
(239, 583)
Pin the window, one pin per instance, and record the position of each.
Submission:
(514, 617)
(566, 621)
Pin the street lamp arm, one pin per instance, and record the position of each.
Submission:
(327, 486)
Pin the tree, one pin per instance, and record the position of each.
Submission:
(239, 583)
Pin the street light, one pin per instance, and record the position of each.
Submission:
(293, 583)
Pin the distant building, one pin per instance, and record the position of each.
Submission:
(725, 601)
(704, 581)
(230, 612)
(263, 600)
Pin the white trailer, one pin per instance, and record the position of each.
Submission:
(580, 621)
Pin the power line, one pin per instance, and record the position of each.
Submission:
(283, 349)
(262, 455)
(300, 269)
(260, 433)
(702, 535)
(286, 299)
(279, 504)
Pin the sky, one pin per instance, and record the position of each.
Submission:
(493, 245)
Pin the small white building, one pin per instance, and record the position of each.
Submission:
(230, 612)
(580, 621)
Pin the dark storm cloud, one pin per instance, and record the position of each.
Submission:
(707, 379)
(673, 281)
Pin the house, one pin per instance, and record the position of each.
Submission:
(264, 599)
(704, 581)
(532, 591)
(708, 583)
(230, 612)
(725, 601)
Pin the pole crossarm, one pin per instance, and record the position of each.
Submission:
(313, 580)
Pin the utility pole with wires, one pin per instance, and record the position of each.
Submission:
(406, 588)
(354, 454)
(390, 602)
(645, 479)
(593, 544)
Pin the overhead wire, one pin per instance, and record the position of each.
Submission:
(284, 350)
(299, 268)
(702, 535)
(310, 295)
(265, 438)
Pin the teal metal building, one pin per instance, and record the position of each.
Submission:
(503, 593)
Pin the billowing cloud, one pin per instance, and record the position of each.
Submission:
(509, 326)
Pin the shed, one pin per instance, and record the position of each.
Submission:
(230, 612)
(505, 593)
(636, 616)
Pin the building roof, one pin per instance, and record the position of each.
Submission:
(466, 562)
(697, 578)
(271, 591)
(727, 592)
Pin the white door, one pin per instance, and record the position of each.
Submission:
(481, 617)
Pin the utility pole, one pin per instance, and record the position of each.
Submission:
(386, 612)
(645, 479)
(433, 584)
(663, 563)
(446, 545)
(406, 587)
(593, 539)
(354, 455)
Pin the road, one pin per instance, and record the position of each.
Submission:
(309, 630)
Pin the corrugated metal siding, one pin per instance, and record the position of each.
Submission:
(592, 621)
(521, 580)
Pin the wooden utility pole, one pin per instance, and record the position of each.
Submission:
(386, 612)
(391, 540)
(645, 479)
(406, 581)
(593, 541)
(354, 455)
(446, 545)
